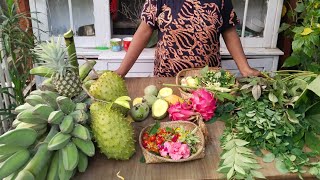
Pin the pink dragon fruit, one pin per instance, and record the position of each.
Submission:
(204, 103)
(181, 111)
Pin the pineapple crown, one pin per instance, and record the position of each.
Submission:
(52, 55)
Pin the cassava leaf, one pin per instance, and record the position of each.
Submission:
(256, 92)
(240, 142)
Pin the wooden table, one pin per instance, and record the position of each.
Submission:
(101, 168)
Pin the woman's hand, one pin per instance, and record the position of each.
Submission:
(250, 72)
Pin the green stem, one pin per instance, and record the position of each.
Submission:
(72, 54)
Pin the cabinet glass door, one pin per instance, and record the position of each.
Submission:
(89, 20)
(74, 14)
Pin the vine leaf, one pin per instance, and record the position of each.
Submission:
(268, 158)
(256, 92)
(273, 98)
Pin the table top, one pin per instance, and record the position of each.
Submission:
(102, 168)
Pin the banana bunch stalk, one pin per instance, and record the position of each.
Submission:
(30, 152)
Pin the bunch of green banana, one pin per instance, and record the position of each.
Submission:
(62, 153)
(14, 152)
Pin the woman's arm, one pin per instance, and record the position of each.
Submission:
(234, 46)
(139, 42)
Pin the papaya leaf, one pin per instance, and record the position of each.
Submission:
(314, 86)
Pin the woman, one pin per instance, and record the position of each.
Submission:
(188, 36)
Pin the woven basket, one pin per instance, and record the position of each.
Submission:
(190, 72)
(152, 158)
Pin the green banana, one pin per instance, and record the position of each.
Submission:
(81, 132)
(47, 85)
(67, 124)
(70, 156)
(36, 127)
(28, 117)
(9, 149)
(41, 132)
(82, 106)
(83, 162)
(42, 110)
(13, 163)
(42, 156)
(85, 69)
(65, 104)
(50, 98)
(55, 117)
(23, 107)
(63, 173)
(87, 147)
(33, 100)
(36, 92)
(19, 137)
(42, 71)
(59, 141)
(4, 157)
(53, 169)
(15, 123)
(25, 175)
(43, 173)
(80, 116)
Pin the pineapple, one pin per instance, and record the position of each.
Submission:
(66, 77)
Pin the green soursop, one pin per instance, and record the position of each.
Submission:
(112, 131)
(109, 87)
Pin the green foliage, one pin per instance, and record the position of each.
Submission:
(305, 30)
(280, 115)
(16, 46)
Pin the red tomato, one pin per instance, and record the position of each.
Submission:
(152, 138)
(146, 142)
(145, 136)
(159, 140)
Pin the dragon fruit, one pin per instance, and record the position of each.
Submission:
(181, 111)
(204, 103)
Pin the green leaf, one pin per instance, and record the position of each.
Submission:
(273, 98)
(123, 98)
(312, 141)
(300, 7)
(239, 169)
(230, 173)
(204, 71)
(257, 174)
(281, 167)
(292, 116)
(225, 95)
(283, 27)
(297, 45)
(315, 86)
(154, 128)
(240, 142)
(142, 159)
(292, 61)
(256, 92)
(293, 158)
(268, 157)
(314, 171)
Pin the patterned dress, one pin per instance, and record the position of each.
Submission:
(188, 32)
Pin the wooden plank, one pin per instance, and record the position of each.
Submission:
(102, 168)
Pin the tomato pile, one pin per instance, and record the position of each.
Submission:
(154, 142)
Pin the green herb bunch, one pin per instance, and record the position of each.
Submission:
(280, 115)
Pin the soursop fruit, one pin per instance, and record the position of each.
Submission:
(109, 87)
(112, 131)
